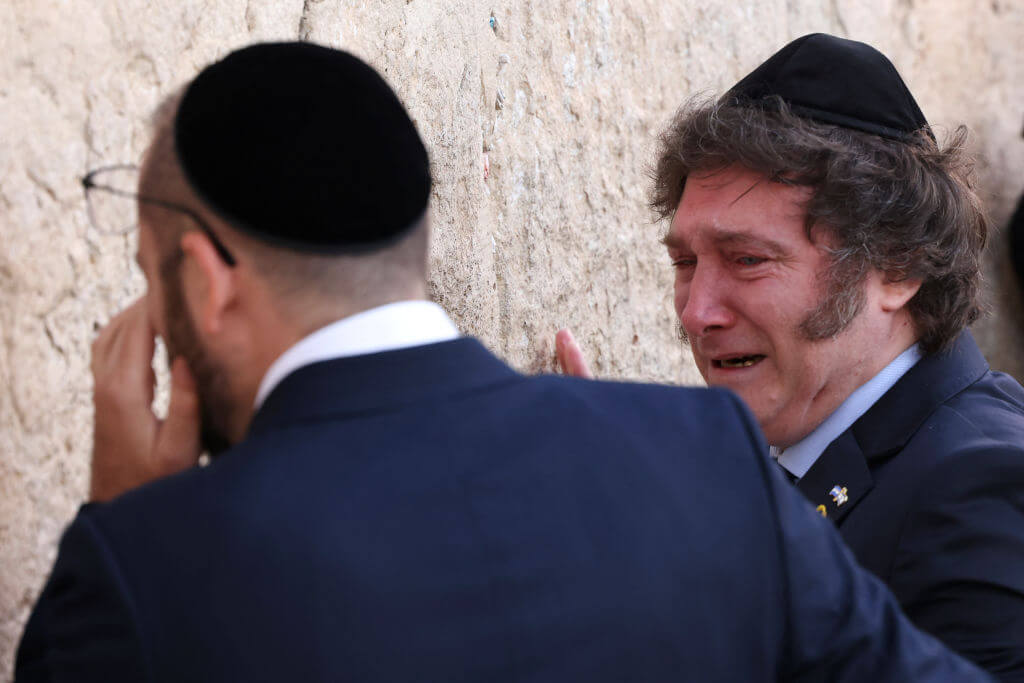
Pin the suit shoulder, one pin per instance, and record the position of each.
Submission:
(992, 407)
(86, 587)
(693, 404)
(975, 433)
(962, 540)
(981, 425)
(711, 396)
(968, 459)
(969, 450)
(684, 416)
(156, 508)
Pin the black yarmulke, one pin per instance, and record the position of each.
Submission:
(837, 81)
(302, 146)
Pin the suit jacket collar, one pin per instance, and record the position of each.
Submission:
(841, 477)
(380, 381)
(888, 425)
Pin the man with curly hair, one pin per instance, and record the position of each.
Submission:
(827, 253)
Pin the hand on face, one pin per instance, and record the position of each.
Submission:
(131, 446)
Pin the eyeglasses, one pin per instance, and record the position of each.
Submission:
(109, 214)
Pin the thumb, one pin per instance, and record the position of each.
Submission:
(177, 444)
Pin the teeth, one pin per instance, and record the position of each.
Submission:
(744, 362)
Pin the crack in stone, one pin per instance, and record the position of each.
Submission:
(6, 202)
(250, 18)
(305, 30)
(42, 185)
(88, 134)
(53, 342)
(47, 318)
(16, 409)
(839, 18)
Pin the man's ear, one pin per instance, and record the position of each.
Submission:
(894, 294)
(209, 283)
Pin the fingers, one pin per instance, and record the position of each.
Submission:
(570, 356)
(177, 442)
(136, 343)
(122, 358)
(124, 426)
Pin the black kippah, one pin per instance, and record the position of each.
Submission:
(837, 81)
(302, 146)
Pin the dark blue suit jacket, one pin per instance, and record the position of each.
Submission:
(430, 514)
(934, 479)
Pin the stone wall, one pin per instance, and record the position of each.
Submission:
(540, 115)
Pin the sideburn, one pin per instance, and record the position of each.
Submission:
(844, 298)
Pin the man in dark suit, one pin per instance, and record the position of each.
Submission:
(388, 501)
(828, 262)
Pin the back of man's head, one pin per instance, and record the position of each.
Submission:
(304, 162)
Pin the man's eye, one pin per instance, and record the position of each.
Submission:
(750, 260)
(684, 262)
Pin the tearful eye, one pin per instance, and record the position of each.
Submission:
(684, 262)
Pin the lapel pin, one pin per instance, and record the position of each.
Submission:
(822, 511)
(838, 494)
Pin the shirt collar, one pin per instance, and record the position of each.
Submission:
(393, 326)
(799, 457)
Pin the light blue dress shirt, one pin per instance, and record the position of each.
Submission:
(799, 457)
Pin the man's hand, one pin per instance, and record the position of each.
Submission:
(570, 357)
(130, 445)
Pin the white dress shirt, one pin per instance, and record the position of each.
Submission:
(389, 327)
(799, 457)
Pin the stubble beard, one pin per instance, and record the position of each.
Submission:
(841, 304)
(215, 405)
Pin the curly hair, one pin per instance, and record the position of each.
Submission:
(908, 210)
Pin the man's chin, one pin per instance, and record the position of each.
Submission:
(752, 395)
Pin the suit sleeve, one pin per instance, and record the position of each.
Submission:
(959, 567)
(82, 627)
(842, 624)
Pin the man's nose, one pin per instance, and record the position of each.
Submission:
(702, 303)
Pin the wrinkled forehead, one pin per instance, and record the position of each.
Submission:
(737, 201)
(736, 184)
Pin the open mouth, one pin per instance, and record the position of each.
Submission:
(738, 361)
